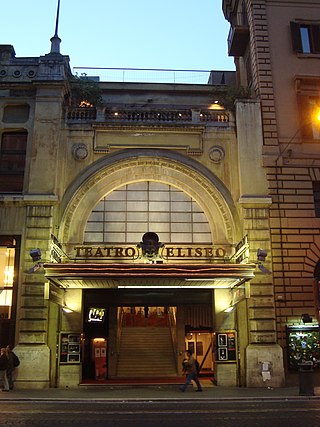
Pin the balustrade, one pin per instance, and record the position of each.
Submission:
(149, 116)
(89, 114)
(81, 114)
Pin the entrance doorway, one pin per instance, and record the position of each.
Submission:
(143, 333)
(201, 343)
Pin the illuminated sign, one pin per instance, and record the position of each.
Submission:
(168, 252)
(96, 315)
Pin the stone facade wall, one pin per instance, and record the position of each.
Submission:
(295, 243)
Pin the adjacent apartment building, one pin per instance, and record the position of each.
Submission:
(138, 220)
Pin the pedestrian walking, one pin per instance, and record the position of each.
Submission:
(190, 369)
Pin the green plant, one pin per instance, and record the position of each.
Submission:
(231, 93)
(85, 92)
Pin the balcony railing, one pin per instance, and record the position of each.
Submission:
(144, 75)
(105, 115)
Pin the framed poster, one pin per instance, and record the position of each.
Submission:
(226, 346)
(73, 358)
(222, 340)
(222, 353)
(70, 348)
(74, 348)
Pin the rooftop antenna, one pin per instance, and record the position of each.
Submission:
(55, 40)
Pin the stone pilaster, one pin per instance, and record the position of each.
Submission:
(261, 306)
(33, 325)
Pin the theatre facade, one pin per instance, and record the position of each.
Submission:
(132, 229)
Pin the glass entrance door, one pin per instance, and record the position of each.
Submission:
(201, 344)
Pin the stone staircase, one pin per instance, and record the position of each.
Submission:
(146, 352)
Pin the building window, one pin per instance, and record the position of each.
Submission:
(305, 37)
(316, 197)
(16, 113)
(134, 209)
(309, 107)
(12, 161)
(8, 278)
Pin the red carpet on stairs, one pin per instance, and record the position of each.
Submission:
(129, 381)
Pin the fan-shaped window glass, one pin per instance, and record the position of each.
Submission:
(134, 209)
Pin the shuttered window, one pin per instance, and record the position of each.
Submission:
(12, 161)
(305, 37)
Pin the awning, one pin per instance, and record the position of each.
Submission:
(99, 275)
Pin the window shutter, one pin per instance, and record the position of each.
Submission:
(12, 161)
(315, 34)
(296, 37)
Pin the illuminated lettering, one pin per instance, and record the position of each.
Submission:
(170, 252)
(96, 315)
(98, 253)
(180, 254)
(220, 252)
(130, 252)
(78, 249)
(189, 252)
(88, 252)
(118, 252)
(198, 252)
(209, 252)
(108, 250)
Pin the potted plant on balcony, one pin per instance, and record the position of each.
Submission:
(85, 92)
(231, 94)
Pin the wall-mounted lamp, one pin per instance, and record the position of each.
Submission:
(35, 254)
(261, 257)
(261, 254)
(229, 309)
(66, 309)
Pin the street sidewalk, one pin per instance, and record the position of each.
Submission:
(155, 392)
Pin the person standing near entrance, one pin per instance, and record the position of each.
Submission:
(3, 369)
(13, 362)
(190, 369)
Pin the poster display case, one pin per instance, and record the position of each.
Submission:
(226, 347)
(69, 348)
(303, 345)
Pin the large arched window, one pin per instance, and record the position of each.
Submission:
(134, 209)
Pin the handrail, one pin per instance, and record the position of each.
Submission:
(172, 325)
(144, 75)
(119, 331)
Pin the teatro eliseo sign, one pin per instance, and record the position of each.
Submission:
(167, 252)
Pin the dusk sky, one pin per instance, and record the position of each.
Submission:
(171, 34)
